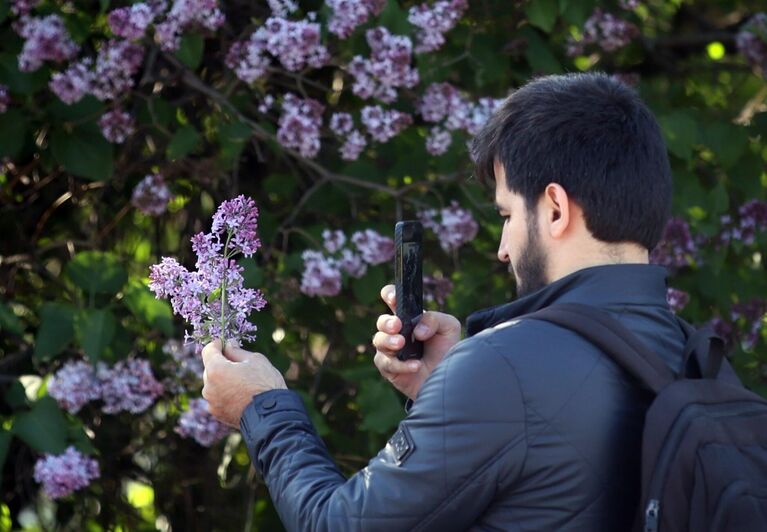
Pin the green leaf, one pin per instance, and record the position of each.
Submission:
(9, 321)
(84, 151)
(56, 329)
(184, 141)
(94, 329)
(394, 18)
(542, 13)
(252, 275)
(191, 49)
(13, 132)
(681, 133)
(380, 408)
(727, 141)
(15, 396)
(5, 8)
(97, 272)
(357, 331)
(318, 420)
(538, 54)
(21, 82)
(43, 428)
(76, 436)
(89, 108)
(147, 308)
(576, 12)
(232, 138)
(367, 289)
(282, 185)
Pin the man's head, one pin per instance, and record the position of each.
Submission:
(580, 170)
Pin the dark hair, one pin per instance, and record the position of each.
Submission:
(595, 137)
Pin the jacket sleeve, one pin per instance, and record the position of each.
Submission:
(463, 437)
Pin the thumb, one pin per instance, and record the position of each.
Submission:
(235, 353)
(433, 323)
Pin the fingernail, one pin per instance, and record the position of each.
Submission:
(413, 365)
(393, 342)
(421, 329)
(390, 323)
(390, 297)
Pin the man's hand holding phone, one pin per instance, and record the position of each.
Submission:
(438, 331)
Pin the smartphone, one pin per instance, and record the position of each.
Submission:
(408, 280)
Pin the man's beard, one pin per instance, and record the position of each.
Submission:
(530, 272)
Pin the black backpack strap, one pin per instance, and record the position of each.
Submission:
(613, 338)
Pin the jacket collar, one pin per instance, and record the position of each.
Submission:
(601, 286)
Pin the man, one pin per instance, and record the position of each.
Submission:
(523, 425)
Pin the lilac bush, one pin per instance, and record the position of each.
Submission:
(63, 474)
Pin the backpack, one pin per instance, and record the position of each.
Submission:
(704, 443)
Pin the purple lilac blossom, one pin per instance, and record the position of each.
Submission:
(677, 248)
(752, 315)
(299, 125)
(387, 69)
(151, 195)
(628, 5)
(382, 124)
(117, 125)
(184, 14)
(751, 41)
(5, 99)
(198, 423)
(128, 386)
(438, 141)
(282, 8)
(434, 20)
(374, 247)
(22, 8)
(46, 39)
(353, 146)
(63, 474)
(321, 276)
(187, 358)
(74, 385)
(333, 240)
(74, 82)
(348, 14)
(604, 30)
(436, 289)
(266, 104)
(131, 22)
(453, 225)
(677, 299)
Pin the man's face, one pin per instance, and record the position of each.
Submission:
(520, 245)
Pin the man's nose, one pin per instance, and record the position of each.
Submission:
(503, 256)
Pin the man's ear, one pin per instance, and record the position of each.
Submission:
(558, 209)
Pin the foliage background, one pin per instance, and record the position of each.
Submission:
(65, 193)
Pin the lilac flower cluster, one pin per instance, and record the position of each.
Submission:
(131, 22)
(112, 75)
(752, 219)
(436, 289)
(751, 316)
(751, 41)
(128, 386)
(442, 104)
(117, 125)
(151, 195)
(299, 125)
(199, 424)
(22, 8)
(5, 99)
(282, 8)
(628, 5)
(74, 385)
(677, 248)
(677, 299)
(185, 14)
(604, 30)
(387, 68)
(212, 298)
(434, 21)
(63, 474)
(266, 104)
(342, 124)
(452, 225)
(46, 39)
(187, 359)
(294, 44)
(383, 124)
(322, 271)
(348, 14)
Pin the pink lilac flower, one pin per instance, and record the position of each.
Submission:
(128, 386)
(151, 195)
(384, 124)
(116, 64)
(341, 123)
(131, 22)
(438, 141)
(440, 101)
(5, 99)
(604, 30)
(63, 474)
(352, 263)
(677, 299)
(353, 146)
(185, 14)
(453, 225)
(333, 240)
(22, 8)
(434, 20)
(198, 423)
(387, 69)
(751, 41)
(213, 299)
(73, 83)
(282, 8)
(117, 125)
(321, 276)
(374, 247)
(299, 125)
(677, 248)
(348, 14)
(74, 385)
(436, 289)
(46, 39)
(751, 314)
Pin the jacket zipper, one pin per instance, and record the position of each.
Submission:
(688, 413)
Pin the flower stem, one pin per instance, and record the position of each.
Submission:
(223, 290)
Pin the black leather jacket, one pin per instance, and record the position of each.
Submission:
(523, 426)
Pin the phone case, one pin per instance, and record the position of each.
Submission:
(408, 280)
